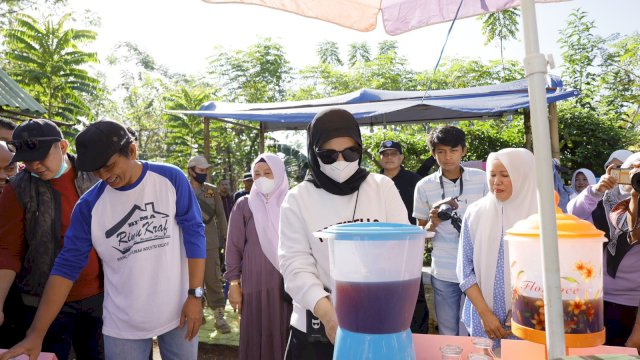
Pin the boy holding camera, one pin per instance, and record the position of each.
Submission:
(440, 201)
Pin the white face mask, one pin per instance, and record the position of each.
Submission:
(340, 170)
(265, 185)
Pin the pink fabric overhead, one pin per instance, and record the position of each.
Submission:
(361, 15)
(399, 16)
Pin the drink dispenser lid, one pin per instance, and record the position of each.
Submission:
(569, 227)
(371, 231)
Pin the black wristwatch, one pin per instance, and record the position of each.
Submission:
(197, 293)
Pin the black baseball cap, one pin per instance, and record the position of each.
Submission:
(247, 176)
(32, 140)
(96, 144)
(390, 144)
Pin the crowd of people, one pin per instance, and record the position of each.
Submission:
(101, 252)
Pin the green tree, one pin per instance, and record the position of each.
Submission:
(461, 73)
(8, 8)
(582, 51)
(484, 137)
(387, 46)
(359, 52)
(47, 60)
(296, 162)
(501, 26)
(260, 73)
(620, 80)
(185, 132)
(329, 53)
(141, 95)
(586, 139)
(387, 70)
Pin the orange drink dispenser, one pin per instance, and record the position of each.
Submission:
(580, 252)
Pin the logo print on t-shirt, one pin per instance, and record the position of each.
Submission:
(139, 225)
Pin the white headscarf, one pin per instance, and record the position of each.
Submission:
(489, 218)
(621, 155)
(266, 208)
(591, 178)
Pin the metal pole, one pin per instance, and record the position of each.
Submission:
(535, 65)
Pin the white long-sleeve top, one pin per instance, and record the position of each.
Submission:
(304, 259)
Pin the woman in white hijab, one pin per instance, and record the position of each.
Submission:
(581, 179)
(483, 255)
(256, 288)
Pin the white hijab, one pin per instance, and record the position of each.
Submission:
(490, 218)
(591, 178)
(266, 208)
(621, 155)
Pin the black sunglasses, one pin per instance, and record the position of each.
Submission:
(31, 144)
(330, 156)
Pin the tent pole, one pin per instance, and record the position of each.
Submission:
(555, 135)
(206, 142)
(528, 143)
(261, 138)
(535, 65)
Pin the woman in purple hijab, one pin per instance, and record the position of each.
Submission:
(256, 288)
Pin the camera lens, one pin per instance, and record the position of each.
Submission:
(445, 210)
(635, 182)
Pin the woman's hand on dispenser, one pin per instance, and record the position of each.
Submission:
(493, 327)
(235, 296)
(327, 314)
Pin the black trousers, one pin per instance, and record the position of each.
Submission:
(618, 320)
(78, 323)
(14, 327)
(420, 319)
(298, 348)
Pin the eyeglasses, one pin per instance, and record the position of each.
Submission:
(31, 144)
(330, 156)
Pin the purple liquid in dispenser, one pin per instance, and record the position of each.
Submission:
(376, 307)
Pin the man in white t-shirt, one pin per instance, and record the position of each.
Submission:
(144, 222)
(464, 186)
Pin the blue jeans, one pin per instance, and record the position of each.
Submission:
(173, 346)
(78, 323)
(447, 297)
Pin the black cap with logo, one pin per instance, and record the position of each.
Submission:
(96, 144)
(390, 144)
(32, 140)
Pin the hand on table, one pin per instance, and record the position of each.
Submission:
(30, 346)
(493, 327)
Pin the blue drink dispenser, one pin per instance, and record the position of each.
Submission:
(376, 268)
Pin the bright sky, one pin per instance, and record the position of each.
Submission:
(182, 34)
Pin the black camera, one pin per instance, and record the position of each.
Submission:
(446, 211)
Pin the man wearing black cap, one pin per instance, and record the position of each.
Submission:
(247, 180)
(144, 222)
(391, 158)
(34, 218)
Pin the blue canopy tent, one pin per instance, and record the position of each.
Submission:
(380, 107)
